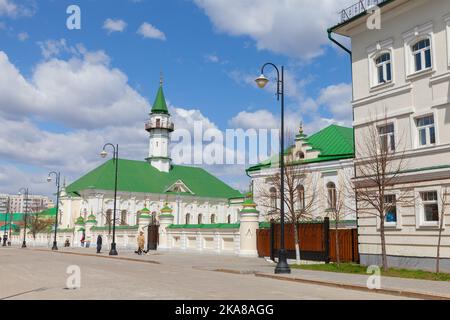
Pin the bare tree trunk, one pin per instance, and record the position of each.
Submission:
(438, 254)
(383, 246)
(336, 236)
(297, 243)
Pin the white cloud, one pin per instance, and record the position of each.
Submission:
(117, 25)
(337, 100)
(10, 8)
(149, 31)
(292, 27)
(80, 92)
(260, 119)
(212, 58)
(23, 36)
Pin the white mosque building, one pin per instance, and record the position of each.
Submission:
(146, 187)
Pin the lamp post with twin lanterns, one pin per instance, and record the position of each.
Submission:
(261, 81)
(103, 154)
(26, 191)
(57, 181)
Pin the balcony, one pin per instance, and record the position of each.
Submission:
(358, 8)
(151, 125)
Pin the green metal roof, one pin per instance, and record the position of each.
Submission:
(48, 212)
(140, 176)
(333, 142)
(160, 106)
(17, 217)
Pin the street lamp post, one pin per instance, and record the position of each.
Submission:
(57, 181)
(26, 191)
(10, 222)
(261, 81)
(103, 154)
(4, 226)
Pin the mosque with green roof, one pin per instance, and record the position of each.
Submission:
(150, 187)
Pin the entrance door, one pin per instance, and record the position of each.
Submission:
(153, 237)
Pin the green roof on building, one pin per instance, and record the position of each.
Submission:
(16, 217)
(333, 142)
(48, 212)
(140, 176)
(160, 105)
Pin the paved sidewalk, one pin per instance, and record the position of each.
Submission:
(262, 268)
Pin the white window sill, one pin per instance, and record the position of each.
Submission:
(419, 74)
(427, 146)
(382, 86)
(390, 227)
(430, 225)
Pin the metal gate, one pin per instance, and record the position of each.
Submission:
(153, 235)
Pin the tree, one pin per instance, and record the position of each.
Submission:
(38, 223)
(378, 165)
(337, 208)
(300, 194)
(444, 204)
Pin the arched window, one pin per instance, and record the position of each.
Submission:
(421, 51)
(300, 155)
(213, 218)
(200, 219)
(123, 217)
(108, 217)
(301, 197)
(331, 188)
(384, 67)
(273, 198)
(188, 218)
(229, 218)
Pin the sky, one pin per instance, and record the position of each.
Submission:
(64, 93)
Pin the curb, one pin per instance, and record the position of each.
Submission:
(395, 292)
(100, 256)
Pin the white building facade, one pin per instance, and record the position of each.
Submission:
(324, 162)
(401, 88)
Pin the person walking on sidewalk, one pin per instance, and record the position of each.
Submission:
(99, 243)
(140, 241)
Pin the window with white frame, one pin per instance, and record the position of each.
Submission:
(301, 197)
(390, 211)
(384, 68)
(426, 131)
(421, 51)
(331, 190)
(429, 206)
(273, 198)
(387, 137)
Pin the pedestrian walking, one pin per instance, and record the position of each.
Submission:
(140, 241)
(82, 240)
(99, 243)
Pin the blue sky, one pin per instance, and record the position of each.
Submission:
(209, 52)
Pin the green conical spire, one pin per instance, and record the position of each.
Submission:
(160, 106)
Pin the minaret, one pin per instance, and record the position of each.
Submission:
(159, 126)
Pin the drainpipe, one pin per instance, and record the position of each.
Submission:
(330, 36)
